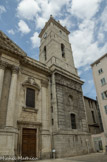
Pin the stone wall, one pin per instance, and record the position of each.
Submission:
(69, 144)
(68, 141)
(15, 115)
(66, 88)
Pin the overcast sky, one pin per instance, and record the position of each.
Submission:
(86, 20)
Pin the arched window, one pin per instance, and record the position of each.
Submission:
(63, 50)
(73, 121)
(45, 53)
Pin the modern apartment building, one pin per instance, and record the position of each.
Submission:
(99, 68)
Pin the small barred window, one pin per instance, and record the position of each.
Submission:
(73, 121)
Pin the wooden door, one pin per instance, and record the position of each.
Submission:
(29, 143)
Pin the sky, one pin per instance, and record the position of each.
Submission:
(22, 21)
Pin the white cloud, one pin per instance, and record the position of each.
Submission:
(101, 37)
(35, 40)
(87, 68)
(11, 31)
(23, 27)
(67, 22)
(40, 10)
(104, 15)
(84, 48)
(53, 7)
(79, 72)
(2, 9)
(27, 9)
(84, 8)
(103, 20)
(40, 22)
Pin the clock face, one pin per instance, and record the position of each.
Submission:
(45, 35)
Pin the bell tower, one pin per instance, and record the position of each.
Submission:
(55, 47)
(68, 121)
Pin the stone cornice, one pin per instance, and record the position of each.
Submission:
(8, 45)
(35, 64)
(66, 74)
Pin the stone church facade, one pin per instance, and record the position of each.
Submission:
(41, 102)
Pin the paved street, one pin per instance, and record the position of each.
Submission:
(95, 157)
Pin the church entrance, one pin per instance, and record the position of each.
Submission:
(29, 143)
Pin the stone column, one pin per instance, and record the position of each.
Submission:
(2, 67)
(45, 117)
(12, 98)
(54, 103)
(45, 132)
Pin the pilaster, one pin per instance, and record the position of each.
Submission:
(45, 117)
(12, 97)
(2, 69)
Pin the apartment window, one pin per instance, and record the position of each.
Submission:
(30, 97)
(100, 71)
(63, 50)
(103, 81)
(104, 95)
(73, 121)
(105, 109)
(93, 116)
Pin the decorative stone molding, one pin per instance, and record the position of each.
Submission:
(28, 123)
(32, 110)
(31, 82)
(44, 83)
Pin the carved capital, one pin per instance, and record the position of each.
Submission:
(2, 64)
(15, 69)
(44, 83)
